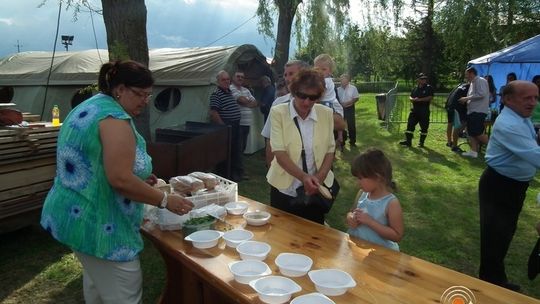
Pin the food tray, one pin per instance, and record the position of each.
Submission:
(226, 191)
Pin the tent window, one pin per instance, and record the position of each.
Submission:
(79, 97)
(168, 99)
(6, 94)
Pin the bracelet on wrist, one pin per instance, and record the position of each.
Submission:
(164, 201)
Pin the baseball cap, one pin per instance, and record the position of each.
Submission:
(422, 76)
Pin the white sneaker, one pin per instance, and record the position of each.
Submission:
(470, 154)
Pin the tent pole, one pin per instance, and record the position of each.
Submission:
(52, 59)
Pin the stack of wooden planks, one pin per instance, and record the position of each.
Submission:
(27, 170)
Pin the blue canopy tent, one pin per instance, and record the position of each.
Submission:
(522, 58)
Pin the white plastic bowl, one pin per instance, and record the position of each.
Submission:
(257, 218)
(204, 239)
(234, 237)
(312, 298)
(253, 250)
(331, 282)
(275, 289)
(236, 208)
(293, 264)
(249, 270)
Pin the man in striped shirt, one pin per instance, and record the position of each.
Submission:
(224, 110)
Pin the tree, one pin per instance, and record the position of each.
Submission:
(125, 23)
(319, 14)
(286, 12)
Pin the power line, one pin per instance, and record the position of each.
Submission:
(52, 58)
(233, 30)
(94, 30)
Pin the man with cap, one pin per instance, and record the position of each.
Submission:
(420, 98)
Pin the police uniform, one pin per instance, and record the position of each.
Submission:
(419, 115)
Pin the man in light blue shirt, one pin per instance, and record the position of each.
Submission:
(513, 157)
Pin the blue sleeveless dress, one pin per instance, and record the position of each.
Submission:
(377, 210)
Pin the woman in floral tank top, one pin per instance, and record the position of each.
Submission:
(103, 178)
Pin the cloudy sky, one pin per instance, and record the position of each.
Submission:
(171, 23)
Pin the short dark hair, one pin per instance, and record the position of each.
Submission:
(471, 70)
(511, 74)
(307, 78)
(127, 72)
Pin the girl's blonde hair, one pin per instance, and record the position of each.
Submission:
(372, 163)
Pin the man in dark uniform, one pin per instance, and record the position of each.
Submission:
(420, 98)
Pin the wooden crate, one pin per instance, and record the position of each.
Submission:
(27, 170)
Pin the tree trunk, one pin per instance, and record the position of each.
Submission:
(429, 44)
(287, 10)
(125, 23)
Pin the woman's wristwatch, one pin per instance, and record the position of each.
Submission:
(163, 203)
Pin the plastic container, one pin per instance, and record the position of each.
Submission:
(188, 228)
(204, 239)
(249, 270)
(293, 264)
(331, 282)
(226, 191)
(275, 289)
(312, 298)
(257, 218)
(234, 237)
(253, 250)
(55, 116)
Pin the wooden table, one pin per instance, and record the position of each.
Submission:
(383, 276)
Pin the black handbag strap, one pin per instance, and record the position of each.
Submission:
(304, 163)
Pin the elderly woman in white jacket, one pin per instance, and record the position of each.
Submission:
(301, 125)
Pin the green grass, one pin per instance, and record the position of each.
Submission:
(437, 189)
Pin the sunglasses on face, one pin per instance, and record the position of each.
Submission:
(303, 96)
(141, 94)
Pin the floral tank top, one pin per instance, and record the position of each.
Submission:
(82, 210)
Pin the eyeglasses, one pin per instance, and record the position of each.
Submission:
(301, 95)
(141, 94)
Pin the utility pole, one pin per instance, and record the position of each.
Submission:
(18, 45)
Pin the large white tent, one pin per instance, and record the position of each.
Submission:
(185, 77)
(522, 58)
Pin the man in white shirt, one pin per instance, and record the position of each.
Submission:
(348, 96)
(477, 101)
(247, 102)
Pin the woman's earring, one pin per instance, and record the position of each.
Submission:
(117, 96)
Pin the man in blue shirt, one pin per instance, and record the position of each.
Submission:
(512, 156)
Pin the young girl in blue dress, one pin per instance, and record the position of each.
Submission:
(376, 216)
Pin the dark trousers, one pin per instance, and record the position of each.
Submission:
(501, 199)
(244, 132)
(237, 166)
(284, 202)
(418, 117)
(350, 118)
